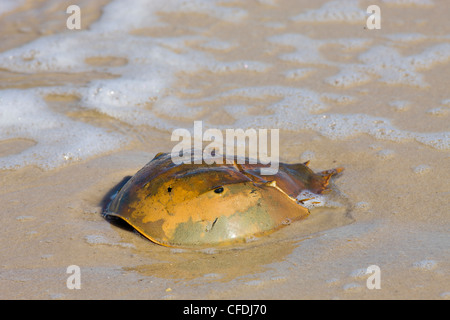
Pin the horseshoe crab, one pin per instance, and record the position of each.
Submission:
(186, 205)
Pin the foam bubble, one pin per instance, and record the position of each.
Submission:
(303, 100)
(138, 97)
(25, 218)
(59, 140)
(307, 48)
(268, 2)
(311, 200)
(238, 66)
(297, 74)
(97, 239)
(406, 37)
(421, 169)
(422, 3)
(439, 111)
(438, 140)
(390, 66)
(359, 273)
(386, 154)
(350, 75)
(445, 295)
(352, 287)
(300, 109)
(10, 5)
(144, 14)
(400, 105)
(218, 45)
(425, 264)
(255, 283)
(362, 205)
(334, 11)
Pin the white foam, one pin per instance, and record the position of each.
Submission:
(307, 48)
(334, 11)
(385, 154)
(362, 205)
(120, 16)
(425, 265)
(359, 273)
(268, 2)
(382, 62)
(297, 74)
(242, 65)
(59, 140)
(422, 3)
(407, 37)
(353, 286)
(400, 105)
(300, 109)
(142, 93)
(238, 111)
(311, 200)
(304, 100)
(352, 44)
(218, 45)
(138, 97)
(391, 67)
(422, 169)
(275, 25)
(98, 239)
(438, 140)
(350, 75)
(9, 5)
(439, 111)
(338, 98)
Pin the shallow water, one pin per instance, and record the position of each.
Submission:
(82, 109)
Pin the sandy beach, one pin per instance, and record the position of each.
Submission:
(82, 109)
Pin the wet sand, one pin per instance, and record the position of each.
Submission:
(394, 194)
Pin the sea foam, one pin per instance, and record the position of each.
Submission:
(143, 89)
(58, 139)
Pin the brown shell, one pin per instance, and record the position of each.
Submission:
(210, 204)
